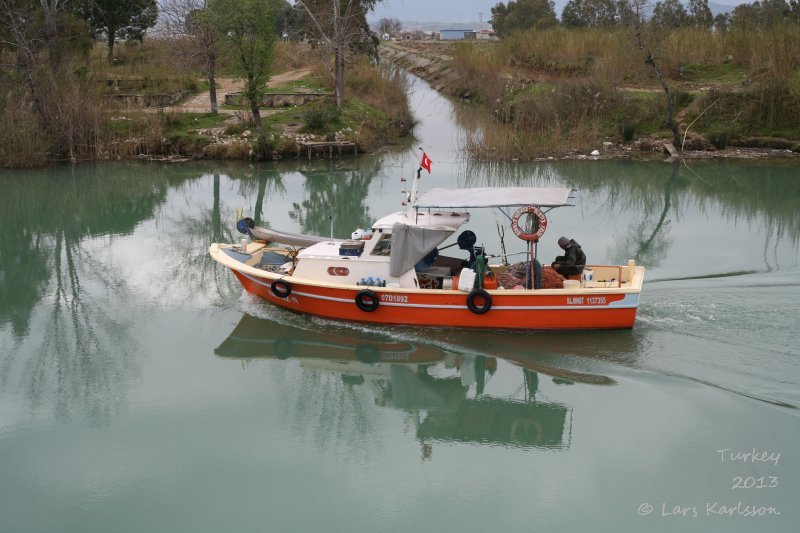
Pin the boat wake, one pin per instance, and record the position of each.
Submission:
(707, 276)
(737, 337)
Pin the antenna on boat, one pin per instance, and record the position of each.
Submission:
(330, 217)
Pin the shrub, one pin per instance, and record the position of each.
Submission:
(237, 129)
(264, 144)
(719, 138)
(627, 129)
(317, 118)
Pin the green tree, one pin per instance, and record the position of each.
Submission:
(722, 22)
(245, 30)
(522, 15)
(765, 14)
(592, 13)
(700, 14)
(670, 14)
(118, 19)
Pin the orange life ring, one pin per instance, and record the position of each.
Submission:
(535, 222)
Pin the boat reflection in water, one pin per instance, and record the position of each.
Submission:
(444, 391)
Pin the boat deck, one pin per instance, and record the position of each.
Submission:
(272, 258)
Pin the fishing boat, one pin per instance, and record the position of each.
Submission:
(392, 273)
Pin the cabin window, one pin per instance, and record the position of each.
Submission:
(383, 246)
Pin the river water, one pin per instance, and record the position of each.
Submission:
(142, 390)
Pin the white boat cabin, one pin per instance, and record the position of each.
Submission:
(372, 260)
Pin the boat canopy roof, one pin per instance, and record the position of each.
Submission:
(496, 197)
(443, 221)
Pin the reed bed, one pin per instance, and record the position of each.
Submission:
(559, 90)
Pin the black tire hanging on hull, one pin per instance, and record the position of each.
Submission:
(367, 300)
(479, 309)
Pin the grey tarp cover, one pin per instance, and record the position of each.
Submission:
(410, 244)
(495, 197)
(284, 237)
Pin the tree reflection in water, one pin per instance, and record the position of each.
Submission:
(647, 240)
(190, 235)
(744, 192)
(71, 346)
(339, 191)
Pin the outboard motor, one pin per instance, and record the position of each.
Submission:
(245, 225)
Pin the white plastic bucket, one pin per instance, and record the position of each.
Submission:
(587, 276)
(466, 280)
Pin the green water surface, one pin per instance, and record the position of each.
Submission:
(142, 390)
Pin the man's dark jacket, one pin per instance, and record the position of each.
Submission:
(573, 260)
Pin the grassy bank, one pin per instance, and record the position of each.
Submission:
(88, 109)
(561, 90)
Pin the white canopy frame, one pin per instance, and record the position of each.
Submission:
(482, 197)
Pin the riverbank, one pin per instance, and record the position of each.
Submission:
(603, 103)
(148, 105)
(298, 111)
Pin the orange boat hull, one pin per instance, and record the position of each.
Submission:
(514, 310)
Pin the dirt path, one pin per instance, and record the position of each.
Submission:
(285, 77)
(201, 103)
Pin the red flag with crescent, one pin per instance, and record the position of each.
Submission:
(426, 162)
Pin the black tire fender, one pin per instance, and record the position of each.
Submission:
(479, 309)
(280, 288)
(367, 300)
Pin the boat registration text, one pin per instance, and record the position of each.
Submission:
(397, 298)
(591, 300)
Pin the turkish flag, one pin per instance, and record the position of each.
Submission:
(426, 162)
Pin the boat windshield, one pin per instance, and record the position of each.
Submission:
(383, 246)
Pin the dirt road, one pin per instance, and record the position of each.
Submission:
(201, 103)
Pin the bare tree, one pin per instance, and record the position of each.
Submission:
(180, 20)
(19, 34)
(340, 27)
(638, 8)
(50, 9)
(389, 26)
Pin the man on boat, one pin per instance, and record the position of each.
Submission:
(573, 260)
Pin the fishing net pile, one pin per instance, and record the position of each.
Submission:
(514, 277)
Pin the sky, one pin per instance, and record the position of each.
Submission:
(455, 10)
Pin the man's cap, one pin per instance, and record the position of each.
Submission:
(563, 242)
